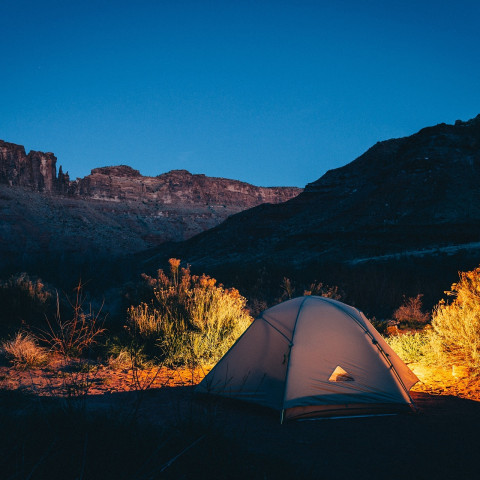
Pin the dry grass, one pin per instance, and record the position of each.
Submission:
(70, 337)
(23, 351)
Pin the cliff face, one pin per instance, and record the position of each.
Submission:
(177, 187)
(113, 211)
(37, 170)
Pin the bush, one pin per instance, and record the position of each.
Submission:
(72, 336)
(25, 300)
(23, 351)
(456, 325)
(412, 347)
(189, 319)
(410, 312)
(290, 290)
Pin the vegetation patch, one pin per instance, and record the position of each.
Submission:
(189, 318)
(23, 351)
(412, 347)
(456, 324)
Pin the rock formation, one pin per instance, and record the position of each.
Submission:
(113, 211)
(37, 170)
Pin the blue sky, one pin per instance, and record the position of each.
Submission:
(269, 92)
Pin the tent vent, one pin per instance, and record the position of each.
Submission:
(340, 375)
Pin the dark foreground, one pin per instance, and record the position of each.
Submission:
(169, 433)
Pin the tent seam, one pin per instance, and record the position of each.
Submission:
(275, 328)
(289, 356)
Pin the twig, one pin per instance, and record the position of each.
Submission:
(42, 459)
(169, 463)
(84, 459)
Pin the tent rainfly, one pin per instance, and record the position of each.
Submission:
(313, 356)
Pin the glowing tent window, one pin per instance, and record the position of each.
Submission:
(340, 375)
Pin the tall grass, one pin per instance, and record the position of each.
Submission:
(190, 318)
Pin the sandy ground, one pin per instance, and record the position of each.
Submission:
(441, 441)
(54, 379)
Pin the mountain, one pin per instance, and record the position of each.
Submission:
(114, 211)
(412, 196)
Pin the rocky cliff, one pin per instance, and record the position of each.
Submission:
(177, 187)
(36, 171)
(113, 211)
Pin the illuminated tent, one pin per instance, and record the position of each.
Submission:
(313, 356)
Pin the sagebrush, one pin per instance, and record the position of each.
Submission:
(410, 313)
(190, 318)
(456, 324)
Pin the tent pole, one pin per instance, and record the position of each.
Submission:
(289, 353)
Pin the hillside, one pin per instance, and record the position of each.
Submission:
(409, 194)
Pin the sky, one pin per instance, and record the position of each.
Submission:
(272, 92)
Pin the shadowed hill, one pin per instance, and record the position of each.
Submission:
(402, 195)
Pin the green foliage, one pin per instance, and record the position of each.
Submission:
(189, 319)
(412, 347)
(456, 325)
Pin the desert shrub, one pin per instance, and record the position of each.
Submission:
(25, 300)
(121, 358)
(23, 351)
(71, 336)
(412, 347)
(256, 307)
(380, 325)
(456, 324)
(189, 318)
(290, 290)
(410, 312)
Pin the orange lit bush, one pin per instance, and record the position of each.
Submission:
(456, 325)
(410, 312)
(190, 318)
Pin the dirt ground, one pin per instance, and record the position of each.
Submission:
(441, 441)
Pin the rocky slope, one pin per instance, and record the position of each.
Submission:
(113, 211)
(402, 195)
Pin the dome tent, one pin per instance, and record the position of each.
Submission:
(313, 356)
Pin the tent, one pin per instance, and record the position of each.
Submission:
(313, 356)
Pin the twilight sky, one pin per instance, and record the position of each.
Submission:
(270, 92)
